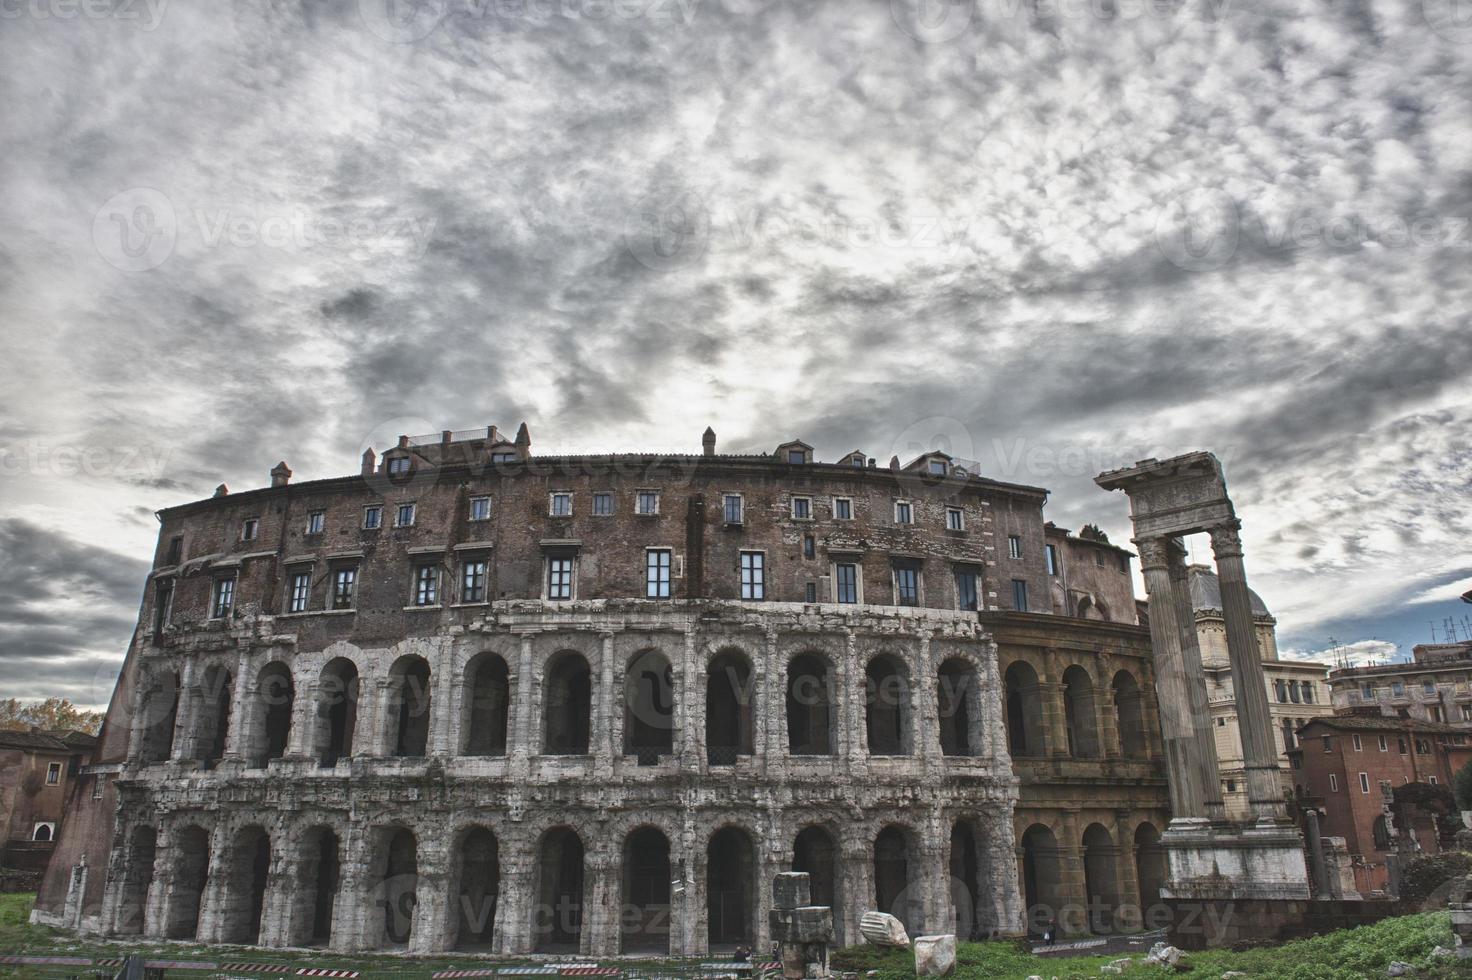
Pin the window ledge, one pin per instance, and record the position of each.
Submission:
(316, 612)
(429, 608)
(461, 605)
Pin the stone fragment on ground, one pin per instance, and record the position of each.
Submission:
(935, 956)
(1400, 968)
(883, 929)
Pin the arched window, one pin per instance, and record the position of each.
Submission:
(729, 693)
(487, 706)
(408, 699)
(191, 867)
(315, 888)
(1024, 709)
(887, 706)
(649, 707)
(567, 707)
(1101, 877)
(337, 711)
(810, 704)
(43, 832)
(213, 698)
(160, 706)
(270, 714)
(1129, 709)
(959, 696)
(1080, 713)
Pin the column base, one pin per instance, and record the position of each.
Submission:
(1253, 861)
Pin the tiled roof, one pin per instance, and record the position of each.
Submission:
(46, 741)
(1364, 723)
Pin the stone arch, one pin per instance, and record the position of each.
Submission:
(811, 705)
(731, 888)
(729, 694)
(816, 850)
(247, 869)
(160, 708)
(645, 920)
(191, 859)
(339, 689)
(896, 867)
(137, 876)
(1024, 710)
(487, 709)
(1151, 869)
(1101, 877)
(270, 714)
(213, 696)
(319, 875)
(396, 886)
(959, 707)
(475, 889)
(408, 705)
(567, 704)
(1080, 713)
(887, 722)
(1042, 878)
(649, 707)
(1129, 709)
(557, 914)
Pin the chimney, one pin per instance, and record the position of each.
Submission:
(369, 459)
(524, 440)
(221, 490)
(708, 441)
(894, 462)
(493, 435)
(280, 474)
(403, 442)
(445, 435)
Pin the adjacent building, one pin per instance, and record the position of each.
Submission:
(38, 770)
(1435, 686)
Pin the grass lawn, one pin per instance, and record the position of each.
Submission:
(1346, 955)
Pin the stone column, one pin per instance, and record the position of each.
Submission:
(603, 748)
(431, 928)
(303, 715)
(1172, 686)
(689, 718)
(1180, 581)
(686, 902)
(357, 912)
(518, 892)
(137, 725)
(521, 723)
(277, 909)
(217, 901)
(1259, 754)
(1126, 873)
(240, 731)
(850, 728)
(1050, 702)
(939, 914)
(601, 916)
(769, 714)
(993, 693)
(382, 730)
(444, 682)
(1072, 890)
(858, 880)
(925, 706)
(1003, 869)
(161, 889)
(185, 712)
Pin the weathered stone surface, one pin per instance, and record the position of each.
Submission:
(883, 929)
(791, 890)
(935, 956)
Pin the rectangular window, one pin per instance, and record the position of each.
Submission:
(843, 509)
(163, 600)
(1328, 743)
(1364, 782)
(344, 588)
(797, 456)
(1333, 783)
(657, 573)
(733, 509)
(647, 502)
(176, 550)
(426, 585)
(372, 518)
(802, 508)
(1438, 713)
(503, 457)
(398, 465)
(404, 517)
(301, 592)
(1367, 690)
(559, 578)
(1397, 689)
(602, 504)
(1014, 546)
(53, 773)
(966, 594)
(846, 582)
(1099, 558)
(1124, 564)
(938, 467)
(224, 598)
(1357, 746)
(1384, 744)
(907, 586)
(903, 513)
(753, 575)
(955, 519)
(1308, 692)
(473, 581)
(560, 505)
(1019, 595)
(480, 508)
(1428, 686)
(810, 592)
(809, 546)
(248, 529)
(316, 521)
(1400, 743)
(1467, 712)
(1280, 690)
(1051, 552)
(1293, 692)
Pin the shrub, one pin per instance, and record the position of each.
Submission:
(1425, 875)
(1462, 784)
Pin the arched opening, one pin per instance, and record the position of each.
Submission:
(645, 920)
(968, 899)
(214, 715)
(245, 889)
(399, 886)
(815, 852)
(337, 711)
(42, 833)
(191, 868)
(487, 706)
(1101, 877)
(728, 699)
(1024, 709)
(1042, 878)
(649, 707)
(408, 700)
(1150, 867)
(1129, 709)
(478, 890)
(568, 705)
(315, 888)
(138, 874)
(809, 706)
(1080, 716)
(730, 889)
(887, 706)
(958, 692)
(160, 710)
(558, 922)
(272, 710)
(893, 865)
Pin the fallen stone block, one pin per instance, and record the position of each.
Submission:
(883, 929)
(935, 956)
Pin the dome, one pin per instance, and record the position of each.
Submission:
(1206, 592)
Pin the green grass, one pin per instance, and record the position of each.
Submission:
(1350, 954)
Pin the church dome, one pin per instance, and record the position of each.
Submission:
(1206, 592)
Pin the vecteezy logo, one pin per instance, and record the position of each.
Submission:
(933, 21)
(403, 21)
(1198, 231)
(664, 231)
(135, 231)
(1450, 19)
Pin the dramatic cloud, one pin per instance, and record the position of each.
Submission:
(1053, 237)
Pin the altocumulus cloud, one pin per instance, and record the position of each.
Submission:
(1052, 237)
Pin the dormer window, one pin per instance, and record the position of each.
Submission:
(938, 467)
(398, 465)
(857, 461)
(796, 456)
(503, 457)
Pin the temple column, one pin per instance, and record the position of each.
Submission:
(1259, 753)
(993, 696)
(286, 870)
(161, 888)
(217, 902)
(357, 912)
(769, 714)
(938, 911)
(1200, 702)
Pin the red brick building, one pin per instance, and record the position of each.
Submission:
(37, 770)
(1342, 762)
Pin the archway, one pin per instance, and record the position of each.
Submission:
(478, 890)
(558, 923)
(1128, 708)
(728, 699)
(887, 706)
(730, 889)
(191, 870)
(894, 863)
(245, 888)
(408, 699)
(1080, 714)
(399, 885)
(214, 715)
(338, 690)
(1101, 877)
(142, 849)
(271, 714)
(1151, 868)
(645, 921)
(649, 707)
(816, 852)
(160, 709)
(567, 708)
(809, 706)
(1024, 711)
(958, 692)
(487, 705)
(1042, 878)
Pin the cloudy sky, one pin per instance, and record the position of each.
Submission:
(1054, 237)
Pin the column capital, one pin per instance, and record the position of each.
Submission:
(1226, 540)
(1154, 551)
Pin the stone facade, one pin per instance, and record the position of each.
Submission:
(475, 698)
(1435, 686)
